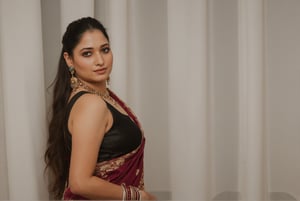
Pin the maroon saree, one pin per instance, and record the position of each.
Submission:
(127, 169)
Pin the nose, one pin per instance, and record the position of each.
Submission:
(99, 59)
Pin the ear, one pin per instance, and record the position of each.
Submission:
(68, 59)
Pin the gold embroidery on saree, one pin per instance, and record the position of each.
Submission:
(104, 168)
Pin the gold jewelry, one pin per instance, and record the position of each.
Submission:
(131, 193)
(105, 95)
(73, 81)
(108, 81)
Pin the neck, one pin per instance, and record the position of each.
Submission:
(100, 88)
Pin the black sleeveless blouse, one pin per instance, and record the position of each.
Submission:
(123, 137)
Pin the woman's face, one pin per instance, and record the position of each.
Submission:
(92, 57)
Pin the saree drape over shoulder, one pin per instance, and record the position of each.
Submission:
(127, 169)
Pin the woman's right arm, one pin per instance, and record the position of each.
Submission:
(88, 122)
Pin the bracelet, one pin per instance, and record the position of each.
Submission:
(131, 193)
(124, 191)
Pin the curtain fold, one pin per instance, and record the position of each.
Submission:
(118, 28)
(3, 164)
(253, 180)
(23, 98)
(4, 194)
(188, 102)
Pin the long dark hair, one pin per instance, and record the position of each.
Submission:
(57, 155)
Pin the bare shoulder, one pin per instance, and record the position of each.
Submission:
(89, 112)
(90, 102)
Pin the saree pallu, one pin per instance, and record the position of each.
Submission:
(127, 169)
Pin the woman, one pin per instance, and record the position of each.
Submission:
(95, 145)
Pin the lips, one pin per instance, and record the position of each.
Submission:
(100, 71)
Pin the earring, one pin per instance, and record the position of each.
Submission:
(73, 81)
(108, 81)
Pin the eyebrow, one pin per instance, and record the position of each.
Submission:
(90, 48)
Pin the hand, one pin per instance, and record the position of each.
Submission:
(147, 196)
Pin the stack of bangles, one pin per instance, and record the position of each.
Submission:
(131, 193)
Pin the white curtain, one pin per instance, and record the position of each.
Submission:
(23, 100)
(214, 83)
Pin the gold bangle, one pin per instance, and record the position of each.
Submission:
(124, 191)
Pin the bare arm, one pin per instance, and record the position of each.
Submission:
(88, 122)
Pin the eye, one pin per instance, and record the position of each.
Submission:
(106, 50)
(87, 54)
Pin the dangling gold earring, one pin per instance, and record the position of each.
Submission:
(108, 80)
(73, 81)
